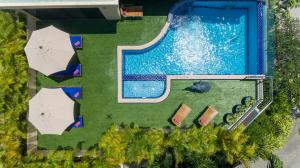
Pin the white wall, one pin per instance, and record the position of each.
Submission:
(110, 12)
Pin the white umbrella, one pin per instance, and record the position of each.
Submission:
(51, 111)
(49, 50)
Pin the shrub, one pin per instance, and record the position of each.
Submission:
(232, 117)
(271, 130)
(239, 110)
(248, 101)
(275, 162)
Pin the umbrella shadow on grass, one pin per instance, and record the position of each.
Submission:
(58, 77)
(76, 114)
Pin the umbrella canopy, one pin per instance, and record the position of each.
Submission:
(51, 111)
(49, 50)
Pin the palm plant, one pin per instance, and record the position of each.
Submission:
(201, 140)
(114, 143)
(176, 143)
(146, 146)
(233, 145)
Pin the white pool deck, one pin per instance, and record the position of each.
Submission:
(164, 30)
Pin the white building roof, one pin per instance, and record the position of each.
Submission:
(13, 4)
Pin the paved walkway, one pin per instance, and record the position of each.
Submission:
(295, 13)
(32, 132)
(290, 154)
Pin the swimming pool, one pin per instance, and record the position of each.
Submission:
(205, 41)
(203, 38)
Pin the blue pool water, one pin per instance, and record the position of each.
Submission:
(205, 41)
(206, 38)
(143, 89)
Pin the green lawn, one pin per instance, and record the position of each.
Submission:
(99, 83)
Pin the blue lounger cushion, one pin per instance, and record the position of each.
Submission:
(73, 70)
(76, 41)
(78, 122)
(73, 92)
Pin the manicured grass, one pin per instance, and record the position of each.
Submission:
(99, 105)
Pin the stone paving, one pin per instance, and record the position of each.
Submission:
(290, 154)
(31, 131)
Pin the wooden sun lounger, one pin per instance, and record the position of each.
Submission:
(181, 114)
(208, 116)
(132, 11)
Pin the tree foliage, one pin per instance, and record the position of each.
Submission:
(201, 140)
(271, 130)
(133, 145)
(146, 146)
(233, 144)
(193, 140)
(114, 143)
(208, 141)
(13, 90)
(197, 161)
(287, 51)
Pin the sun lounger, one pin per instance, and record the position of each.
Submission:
(132, 11)
(76, 41)
(208, 116)
(78, 122)
(73, 70)
(181, 114)
(72, 92)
